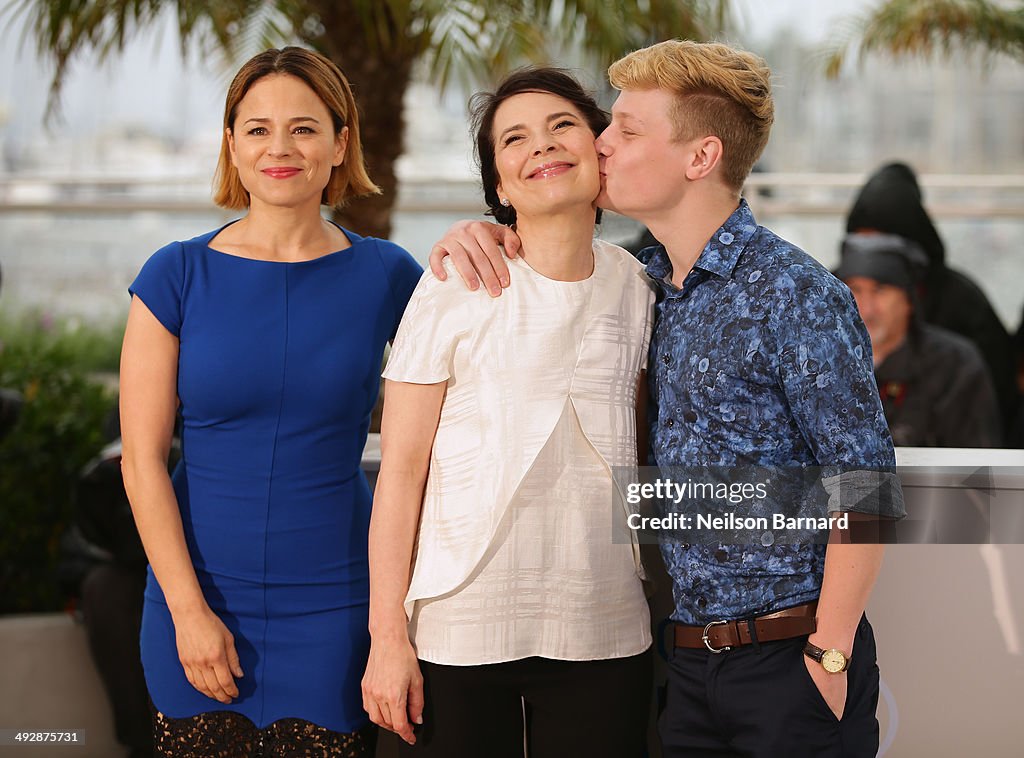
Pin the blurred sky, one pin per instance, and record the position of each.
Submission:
(814, 21)
(150, 87)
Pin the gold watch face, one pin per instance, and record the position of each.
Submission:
(833, 661)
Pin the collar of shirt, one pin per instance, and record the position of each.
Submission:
(720, 255)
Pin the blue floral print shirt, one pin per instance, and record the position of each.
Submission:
(761, 359)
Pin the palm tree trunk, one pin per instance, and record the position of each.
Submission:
(380, 75)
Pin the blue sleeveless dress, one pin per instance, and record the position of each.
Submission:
(278, 371)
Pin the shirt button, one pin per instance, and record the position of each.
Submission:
(702, 602)
(670, 422)
(767, 539)
(666, 359)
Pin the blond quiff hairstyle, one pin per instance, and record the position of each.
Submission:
(720, 90)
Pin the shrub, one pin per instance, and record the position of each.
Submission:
(60, 428)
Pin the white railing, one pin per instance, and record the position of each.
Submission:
(771, 194)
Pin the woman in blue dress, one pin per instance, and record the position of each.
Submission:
(266, 336)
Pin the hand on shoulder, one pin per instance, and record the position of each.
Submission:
(477, 250)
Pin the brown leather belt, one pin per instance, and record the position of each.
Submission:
(719, 636)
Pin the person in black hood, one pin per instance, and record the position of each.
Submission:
(934, 385)
(891, 202)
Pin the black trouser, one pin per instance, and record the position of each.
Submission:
(112, 606)
(594, 708)
(760, 701)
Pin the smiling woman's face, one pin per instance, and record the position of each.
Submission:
(545, 155)
(283, 142)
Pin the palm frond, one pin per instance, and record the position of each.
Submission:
(903, 28)
(65, 29)
(455, 39)
(236, 37)
(480, 41)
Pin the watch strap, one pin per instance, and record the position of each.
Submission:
(813, 652)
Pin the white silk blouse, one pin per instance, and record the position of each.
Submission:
(515, 554)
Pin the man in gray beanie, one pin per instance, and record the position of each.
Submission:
(935, 387)
(891, 202)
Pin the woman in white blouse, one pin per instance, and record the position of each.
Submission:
(493, 568)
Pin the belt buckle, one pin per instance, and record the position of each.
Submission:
(707, 641)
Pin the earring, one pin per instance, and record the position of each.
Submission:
(505, 202)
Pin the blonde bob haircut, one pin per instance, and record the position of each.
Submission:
(720, 91)
(330, 85)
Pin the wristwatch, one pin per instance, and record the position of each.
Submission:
(833, 661)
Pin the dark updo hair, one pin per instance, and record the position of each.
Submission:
(483, 106)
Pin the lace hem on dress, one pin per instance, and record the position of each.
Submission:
(225, 734)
